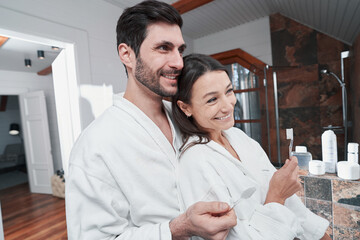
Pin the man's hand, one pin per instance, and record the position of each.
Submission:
(284, 182)
(209, 220)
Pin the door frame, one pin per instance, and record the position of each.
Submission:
(75, 42)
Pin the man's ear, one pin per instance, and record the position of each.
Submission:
(184, 107)
(126, 55)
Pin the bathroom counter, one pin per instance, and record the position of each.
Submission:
(326, 176)
(334, 198)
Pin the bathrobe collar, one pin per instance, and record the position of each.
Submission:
(150, 127)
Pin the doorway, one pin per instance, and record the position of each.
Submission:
(60, 89)
(75, 45)
(13, 169)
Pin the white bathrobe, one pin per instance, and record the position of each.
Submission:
(208, 172)
(122, 181)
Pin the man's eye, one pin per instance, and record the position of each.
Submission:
(181, 50)
(211, 100)
(163, 48)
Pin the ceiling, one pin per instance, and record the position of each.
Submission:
(14, 52)
(337, 18)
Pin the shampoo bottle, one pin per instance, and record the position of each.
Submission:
(329, 150)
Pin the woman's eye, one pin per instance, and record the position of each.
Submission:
(231, 90)
(211, 100)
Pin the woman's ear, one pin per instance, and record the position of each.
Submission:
(126, 55)
(184, 107)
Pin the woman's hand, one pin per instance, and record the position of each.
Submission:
(284, 183)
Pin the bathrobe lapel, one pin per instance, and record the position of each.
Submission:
(150, 127)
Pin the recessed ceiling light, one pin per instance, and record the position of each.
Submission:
(41, 54)
(27, 62)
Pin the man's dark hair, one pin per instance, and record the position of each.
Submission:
(195, 66)
(132, 25)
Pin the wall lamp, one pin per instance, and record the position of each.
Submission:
(41, 54)
(27, 63)
(14, 129)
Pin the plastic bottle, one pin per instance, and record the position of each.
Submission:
(350, 169)
(303, 157)
(353, 151)
(329, 150)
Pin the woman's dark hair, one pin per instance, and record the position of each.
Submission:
(195, 66)
(133, 22)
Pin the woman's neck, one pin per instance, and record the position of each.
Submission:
(223, 141)
(219, 138)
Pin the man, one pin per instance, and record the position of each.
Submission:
(122, 173)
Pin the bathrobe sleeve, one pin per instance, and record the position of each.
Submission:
(201, 179)
(98, 210)
(313, 226)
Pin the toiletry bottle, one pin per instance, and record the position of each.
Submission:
(353, 151)
(350, 169)
(329, 150)
(303, 157)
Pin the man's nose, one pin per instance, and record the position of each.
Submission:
(176, 60)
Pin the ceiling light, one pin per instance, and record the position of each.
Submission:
(14, 129)
(41, 54)
(54, 48)
(28, 63)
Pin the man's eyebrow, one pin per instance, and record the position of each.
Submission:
(170, 44)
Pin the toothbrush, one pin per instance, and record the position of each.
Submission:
(290, 135)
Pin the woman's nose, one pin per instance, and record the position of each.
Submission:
(228, 104)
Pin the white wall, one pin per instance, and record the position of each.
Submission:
(32, 82)
(10, 115)
(94, 17)
(90, 26)
(253, 38)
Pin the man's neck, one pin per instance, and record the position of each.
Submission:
(151, 104)
(146, 101)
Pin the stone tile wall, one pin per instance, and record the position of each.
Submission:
(307, 100)
(335, 199)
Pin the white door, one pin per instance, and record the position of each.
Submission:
(37, 141)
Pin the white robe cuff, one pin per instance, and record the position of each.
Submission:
(275, 221)
(165, 233)
(314, 226)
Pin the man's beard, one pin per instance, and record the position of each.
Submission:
(151, 79)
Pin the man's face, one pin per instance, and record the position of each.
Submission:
(160, 59)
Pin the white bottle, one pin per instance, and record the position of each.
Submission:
(353, 149)
(303, 156)
(329, 150)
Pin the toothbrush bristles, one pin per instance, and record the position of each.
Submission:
(289, 133)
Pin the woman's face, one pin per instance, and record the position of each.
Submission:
(212, 102)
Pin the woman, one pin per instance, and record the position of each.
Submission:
(221, 163)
